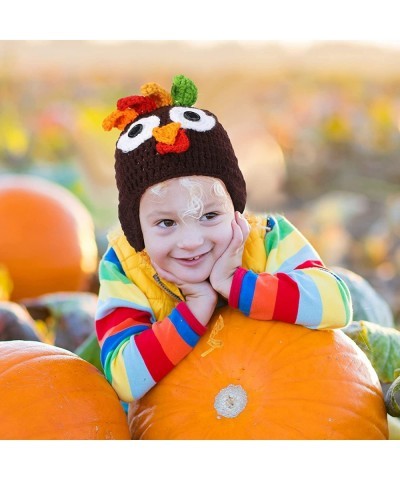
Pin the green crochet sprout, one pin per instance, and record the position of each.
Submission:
(183, 91)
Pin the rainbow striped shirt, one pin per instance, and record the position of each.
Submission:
(138, 349)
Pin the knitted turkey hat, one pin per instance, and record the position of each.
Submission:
(164, 137)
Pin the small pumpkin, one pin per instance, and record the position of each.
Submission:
(48, 393)
(250, 379)
(47, 240)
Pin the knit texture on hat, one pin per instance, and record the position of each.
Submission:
(149, 151)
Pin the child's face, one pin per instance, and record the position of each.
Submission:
(186, 246)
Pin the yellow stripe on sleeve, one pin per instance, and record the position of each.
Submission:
(333, 310)
(124, 291)
(284, 250)
(120, 381)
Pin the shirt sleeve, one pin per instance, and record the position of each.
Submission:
(136, 351)
(296, 288)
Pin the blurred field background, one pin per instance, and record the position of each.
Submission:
(315, 128)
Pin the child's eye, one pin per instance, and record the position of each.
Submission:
(165, 223)
(209, 216)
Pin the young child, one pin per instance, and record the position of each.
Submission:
(186, 248)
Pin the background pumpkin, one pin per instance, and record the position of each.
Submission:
(368, 304)
(16, 323)
(48, 393)
(47, 240)
(295, 383)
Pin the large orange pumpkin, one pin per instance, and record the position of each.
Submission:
(48, 393)
(265, 380)
(47, 240)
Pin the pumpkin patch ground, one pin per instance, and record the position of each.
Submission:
(265, 380)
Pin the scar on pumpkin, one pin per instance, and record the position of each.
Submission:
(212, 341)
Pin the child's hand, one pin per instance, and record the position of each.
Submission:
(225, 267)
(201, 298)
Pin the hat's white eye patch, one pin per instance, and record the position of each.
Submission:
(138, 132)
(192, 118)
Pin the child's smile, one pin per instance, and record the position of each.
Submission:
(192, 261)
(186, 246)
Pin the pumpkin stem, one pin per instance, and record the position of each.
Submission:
(230, 401)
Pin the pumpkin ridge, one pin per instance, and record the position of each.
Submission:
(38, 360)
(145, 425)
(333, 380)
(337, 407)
(296, 340)
(74, 433)
(299, 358)
(358, 415)
(285, 426)
(315, 354)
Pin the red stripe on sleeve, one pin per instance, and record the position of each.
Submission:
(153, 355)
(287, 299)
(310, 264)
(234, 294)
(117, 316)
(191, 320)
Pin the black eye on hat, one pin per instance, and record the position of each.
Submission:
(135, 130)
(192, 116)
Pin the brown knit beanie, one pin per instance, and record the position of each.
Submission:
(164, 137)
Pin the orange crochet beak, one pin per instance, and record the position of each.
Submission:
(171, 138)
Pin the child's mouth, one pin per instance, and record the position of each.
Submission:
(192, 260)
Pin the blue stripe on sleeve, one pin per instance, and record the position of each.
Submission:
(111, 343)
(310, 304)
(187, 334)
(139, 377)
(304, 254)
(247, 292)
(111, 256)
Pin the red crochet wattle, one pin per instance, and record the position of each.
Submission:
(180, 145)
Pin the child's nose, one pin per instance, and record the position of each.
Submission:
(190, 238)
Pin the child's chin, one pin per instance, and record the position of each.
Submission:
(194, 277)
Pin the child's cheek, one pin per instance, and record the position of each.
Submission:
(228, 235)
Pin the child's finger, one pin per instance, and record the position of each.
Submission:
(237, 237)
(243, 224)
